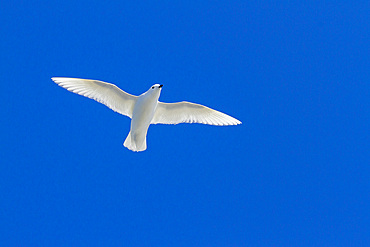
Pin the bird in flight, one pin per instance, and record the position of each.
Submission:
(144, 109)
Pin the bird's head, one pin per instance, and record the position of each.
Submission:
(155, 90)
(156, 87)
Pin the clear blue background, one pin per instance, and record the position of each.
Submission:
(295, 173)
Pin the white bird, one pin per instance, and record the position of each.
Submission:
(144, 109)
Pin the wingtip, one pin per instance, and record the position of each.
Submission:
(236, 121)
(59, 80)
(55, 79)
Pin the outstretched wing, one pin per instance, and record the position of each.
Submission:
(186, 112)
(105, 93)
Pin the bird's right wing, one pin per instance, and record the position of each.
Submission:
(105, 93)
(186, 112)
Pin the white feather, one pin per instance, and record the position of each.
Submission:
(186, 112)
(105, 93)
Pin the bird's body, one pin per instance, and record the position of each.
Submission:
(142, 116)
(144, 109)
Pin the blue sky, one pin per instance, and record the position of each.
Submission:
(295, 173)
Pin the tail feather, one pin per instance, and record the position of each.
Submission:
(135, 144)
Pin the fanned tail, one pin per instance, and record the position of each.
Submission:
(135, 144)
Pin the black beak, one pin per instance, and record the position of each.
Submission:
(160, 86)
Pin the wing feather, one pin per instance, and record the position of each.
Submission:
(186, 112)
(103, 92)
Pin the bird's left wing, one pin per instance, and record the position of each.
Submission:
(105, 93)
(186, 112)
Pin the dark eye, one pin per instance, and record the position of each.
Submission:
(153, 87)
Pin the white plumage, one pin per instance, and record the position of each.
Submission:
(144, 109)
